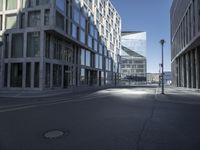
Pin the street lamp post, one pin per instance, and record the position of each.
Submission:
(162, 42)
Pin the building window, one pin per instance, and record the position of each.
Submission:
(82, 36)
(100, 62)
(74, 31)
(96, 61)
(88, 58)
(16, 75)
(0, 22)
(17, 45)
(6, 46)
(82, 57)
(100, 49)
(37, 75)
(1, 5)
(22, 20)
(60, 4)
(42, 2)
(11, 21)
(28, 75)
(83, 22)
(82, 79)
(57, 75)
(95, 45)
(6, 75)
(59, 21)
(47, 47)
(34, 19)
(28, 3)
(47, 76)
(91, 29)
(89, 41)
(58, 49)
(76, 15)
(11, 4)
(33, 44)
(46, 17)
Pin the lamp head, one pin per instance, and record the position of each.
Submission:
(162, 41)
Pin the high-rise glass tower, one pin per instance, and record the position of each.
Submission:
(133, 55)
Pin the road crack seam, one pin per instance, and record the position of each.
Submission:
(145, 124)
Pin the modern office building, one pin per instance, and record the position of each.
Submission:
(185, 43)
(52, 44)
(133, 56)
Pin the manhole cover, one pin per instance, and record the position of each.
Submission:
(53, 134)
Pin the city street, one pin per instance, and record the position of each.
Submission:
(135, 118)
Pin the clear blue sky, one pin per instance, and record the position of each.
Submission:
(153, 17)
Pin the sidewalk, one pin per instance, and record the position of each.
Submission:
(46, 93)
(178, 95)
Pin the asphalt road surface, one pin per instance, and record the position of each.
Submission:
(112, 119)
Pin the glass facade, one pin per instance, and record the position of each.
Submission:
(58, 43)
(133, 59)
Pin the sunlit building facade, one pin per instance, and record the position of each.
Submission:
(185, 43)
(52, 44)
(133, 56)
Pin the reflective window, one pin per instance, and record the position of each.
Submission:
(82, 79)
(60, 4)
(17, 45)
(28, 3)
(34, 19)
(11, 4)
(74, 31)
(57, 75)
(89, 41)
(95, 45)
(96, 34)
(6, 75)
(100, 49)
(76, 15)
(33, 44)
(42, 2)
(82, 57)
(82, 36)
(1, 22)
(22, 20)
(16, 75)
(59, 21)
(47, 45)
(88, 58)
(100, 62)
(57, 49)
(28, 75)
(96, 61)
(91, 31)
(83, 22)
(37, 75)
(11, 21)
(1, 5)
(6, 46)
(46, 17)
(47, 76)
